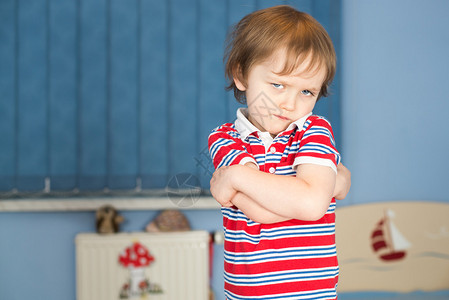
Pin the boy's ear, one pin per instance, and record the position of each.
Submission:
(239, 84)
(238, 80)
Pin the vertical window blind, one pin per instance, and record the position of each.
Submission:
(105, 95)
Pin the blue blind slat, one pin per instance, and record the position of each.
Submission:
(123, 101)
(92, 48)
(237, 10)
(32, 132)
(183, 85)
(240, 8)
(63, 133)
(324, 11)
(260, 4)
(107, 93)
(7, 95)
(154, 94)
(212, 95)
(303, 5)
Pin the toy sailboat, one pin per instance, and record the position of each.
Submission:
(387, 241)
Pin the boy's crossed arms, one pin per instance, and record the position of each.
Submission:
(271, 198)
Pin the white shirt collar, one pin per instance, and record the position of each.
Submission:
(245, 127)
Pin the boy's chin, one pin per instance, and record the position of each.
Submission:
(275, 131)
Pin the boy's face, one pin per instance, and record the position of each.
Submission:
(274, 101)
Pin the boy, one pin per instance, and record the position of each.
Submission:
(279, 230)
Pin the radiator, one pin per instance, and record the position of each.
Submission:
(168, 266)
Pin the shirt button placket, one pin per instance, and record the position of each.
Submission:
(270, 167)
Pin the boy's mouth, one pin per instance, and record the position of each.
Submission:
(282, 117)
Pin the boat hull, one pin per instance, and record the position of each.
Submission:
(393, 256)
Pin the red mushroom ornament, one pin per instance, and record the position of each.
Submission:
(136, 258)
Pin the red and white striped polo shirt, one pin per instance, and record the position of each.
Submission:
(287, 260)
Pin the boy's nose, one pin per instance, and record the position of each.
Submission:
(288, 102)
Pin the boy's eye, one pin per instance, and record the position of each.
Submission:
(306, 93)
(277, 86)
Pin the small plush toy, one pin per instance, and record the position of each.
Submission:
(108, 220)
(169, 220)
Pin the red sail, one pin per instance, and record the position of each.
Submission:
(379, 245)
(377, 232)
(377, 237)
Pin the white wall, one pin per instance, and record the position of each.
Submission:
(395, 103)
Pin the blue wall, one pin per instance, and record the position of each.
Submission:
(37, 250)
(395, 138)
(395, 102)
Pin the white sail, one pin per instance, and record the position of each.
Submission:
(398, 241)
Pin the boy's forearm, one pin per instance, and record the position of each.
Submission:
(254, 211)
(286, 196)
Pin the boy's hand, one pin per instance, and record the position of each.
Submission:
(221, 187)
(342, 183)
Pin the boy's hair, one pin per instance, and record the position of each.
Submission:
(259, 34)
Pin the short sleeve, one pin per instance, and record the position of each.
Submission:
(317, 145)
(226, 148)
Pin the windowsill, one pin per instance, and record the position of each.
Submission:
(42, 204)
